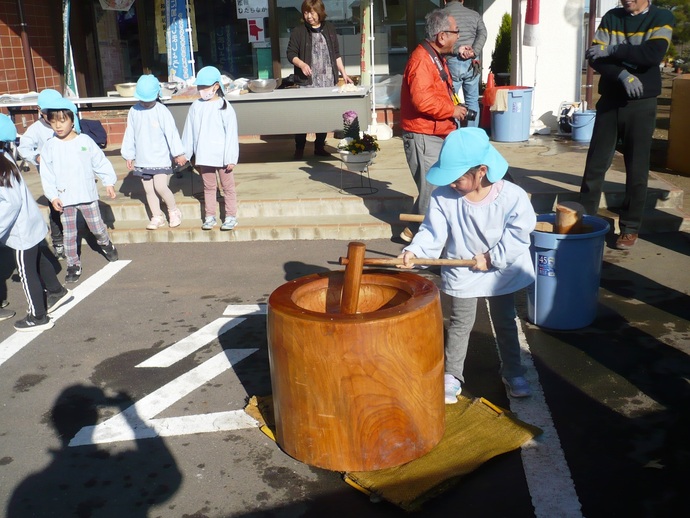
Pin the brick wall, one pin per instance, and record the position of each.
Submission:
(114, 122)
(40, 28)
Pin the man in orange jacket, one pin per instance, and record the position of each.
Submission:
(429, 109)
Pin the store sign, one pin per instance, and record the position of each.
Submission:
(252, 9)
(255, 29)
(116, 5)
(178, 40)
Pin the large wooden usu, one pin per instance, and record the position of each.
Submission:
(360, 389)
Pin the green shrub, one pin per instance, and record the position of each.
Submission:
(500, 57)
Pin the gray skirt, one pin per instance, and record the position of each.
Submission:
(146, 173)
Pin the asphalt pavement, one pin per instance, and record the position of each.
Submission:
(613, 398)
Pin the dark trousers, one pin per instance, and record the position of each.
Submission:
(36, 273)
(55, 227)
(634, 125)
(301, 140)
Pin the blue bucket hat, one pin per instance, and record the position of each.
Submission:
(462, 150)
(46, 96)
(148, 88)
(8, 131)
(64, 104)
(208, 76)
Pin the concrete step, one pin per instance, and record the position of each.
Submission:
(192, 208)
(283, 199)
(351, 227)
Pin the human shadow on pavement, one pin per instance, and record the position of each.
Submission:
(92, 480)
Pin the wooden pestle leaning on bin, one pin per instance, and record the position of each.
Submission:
(568, 220)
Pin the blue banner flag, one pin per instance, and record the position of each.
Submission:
(70, 74)
(179, 41)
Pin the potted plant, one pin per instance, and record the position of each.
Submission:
(356, 149)
(500, 57)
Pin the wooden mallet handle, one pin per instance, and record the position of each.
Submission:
(353, 278)
(415, 218)
(382, 261)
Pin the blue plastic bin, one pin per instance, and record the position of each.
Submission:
(513, 124)
(568, 270)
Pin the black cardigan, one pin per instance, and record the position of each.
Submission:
(299, 46)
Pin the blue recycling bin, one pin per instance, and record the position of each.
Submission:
(565, 294)
(512, 125)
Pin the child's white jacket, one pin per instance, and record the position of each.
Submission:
(21, 224)
(459, 229)
(151, 137)
(69, 169)
(32, 141)
(210, 134)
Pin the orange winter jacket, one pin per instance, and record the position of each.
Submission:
(425, 103)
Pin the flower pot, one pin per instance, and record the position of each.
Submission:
(356, 162)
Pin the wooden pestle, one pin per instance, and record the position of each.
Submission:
(353, 278)
(395, 261)
(569, 218)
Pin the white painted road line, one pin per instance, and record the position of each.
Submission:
(180, 350)
(547, 473)
(137, 421)
(192, 343)
(548, 476)
(16, 342)
(244, 310)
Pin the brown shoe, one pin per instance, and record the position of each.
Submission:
(626, 241)
(320, 151)
(299, 153)
(406, 235)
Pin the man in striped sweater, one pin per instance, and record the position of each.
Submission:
(628, 47)
(464, 62)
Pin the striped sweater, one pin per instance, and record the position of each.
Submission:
(641, 44)
(472, 29)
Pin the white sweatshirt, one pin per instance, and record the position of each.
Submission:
(463, 229)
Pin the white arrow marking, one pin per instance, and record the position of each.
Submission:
(16, 342)
(137, 421)
(203, 336)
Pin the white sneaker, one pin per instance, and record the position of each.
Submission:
(209, 223)
(175, 218)
(229, 223)
(452, 388)
(156, 222)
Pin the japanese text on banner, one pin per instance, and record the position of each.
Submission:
(180, 66)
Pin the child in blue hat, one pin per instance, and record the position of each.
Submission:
(23, 230)
(70, 163)
(475, 214)
(210, 135)
(151, 140)
(30, 146)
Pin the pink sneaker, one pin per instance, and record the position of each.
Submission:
(175, 218)
(156, 222)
